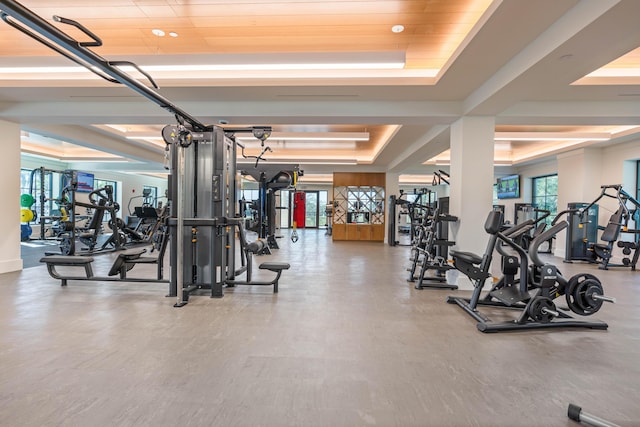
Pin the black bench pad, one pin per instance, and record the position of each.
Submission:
(67, 260)
(274, 266)
(467, 256)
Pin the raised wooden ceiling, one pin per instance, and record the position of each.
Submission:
(433, 28)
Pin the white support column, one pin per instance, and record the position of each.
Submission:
(391, 186)
(10, 259)
(471, 193)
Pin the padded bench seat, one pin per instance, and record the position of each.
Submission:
(274, 266)
(67, 260)
(54, 261)
(467, 256)
(469, 264)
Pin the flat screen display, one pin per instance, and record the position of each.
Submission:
(508, 187)
(85, 182)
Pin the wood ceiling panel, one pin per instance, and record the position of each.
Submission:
(337, 20)
(320, 32)
(433, 28)
(309, 9)
(103, 10)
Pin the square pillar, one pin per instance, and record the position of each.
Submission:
(10, 258)
(472, 179)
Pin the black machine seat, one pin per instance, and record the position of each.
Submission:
(611, 231)
(493, 223)
(470, 265)
(466, 257)
(125, 261)
(609, 235)
(67, 260)
(274, 266)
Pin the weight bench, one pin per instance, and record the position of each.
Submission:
(248, 250)
(276, 267)
(54, 261)
(124, 262)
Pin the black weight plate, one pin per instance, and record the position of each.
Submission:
(67, 246)
(589, 302)
(537, 309)
(574, 304)
(582, 294)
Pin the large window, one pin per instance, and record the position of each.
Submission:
(545, 194)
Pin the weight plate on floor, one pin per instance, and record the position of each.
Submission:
(539, 309)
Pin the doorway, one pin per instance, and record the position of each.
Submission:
(311, 210)
(315, 208)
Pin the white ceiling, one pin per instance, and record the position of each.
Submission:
(518, 64)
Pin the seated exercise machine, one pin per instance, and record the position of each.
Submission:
(533, 293)
(611, 233)
(602, 252)
(628, 211)
(247, 251)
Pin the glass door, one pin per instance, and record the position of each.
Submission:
(284, 208)
(311, 209)
(322, 207)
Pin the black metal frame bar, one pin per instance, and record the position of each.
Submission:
(24, 20)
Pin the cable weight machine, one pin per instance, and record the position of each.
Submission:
(201, 223)
(202, 183)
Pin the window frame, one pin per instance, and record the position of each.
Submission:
(545, 196)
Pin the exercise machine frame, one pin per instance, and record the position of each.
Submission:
(519, 295)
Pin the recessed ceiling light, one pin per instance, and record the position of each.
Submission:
(173, 34)
(397, 28)
(157, 32)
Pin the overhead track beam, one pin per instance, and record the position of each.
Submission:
(24, 20)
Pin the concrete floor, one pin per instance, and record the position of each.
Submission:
(346, 342)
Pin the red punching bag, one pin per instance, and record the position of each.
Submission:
(299, 209)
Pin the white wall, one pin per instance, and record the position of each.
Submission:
(9, 214)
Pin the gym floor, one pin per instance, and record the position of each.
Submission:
(346, 342)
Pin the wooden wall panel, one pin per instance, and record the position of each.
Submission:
(341, 179)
